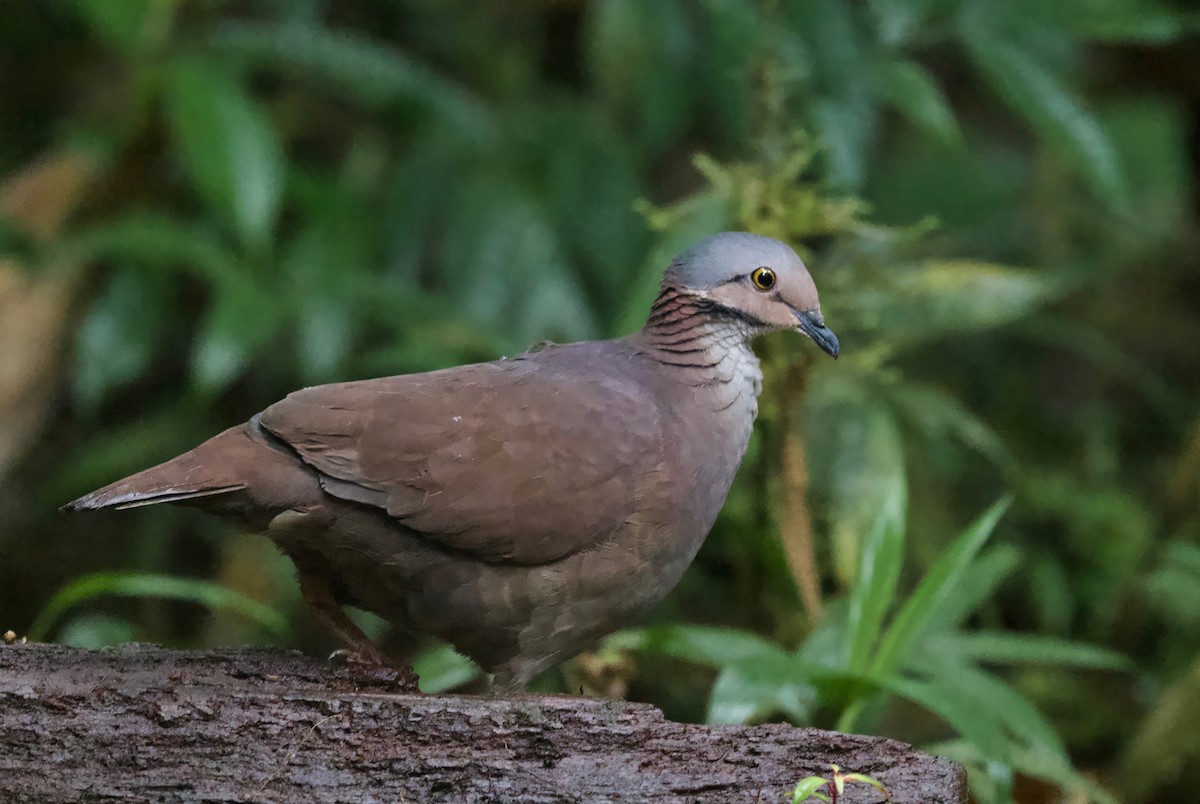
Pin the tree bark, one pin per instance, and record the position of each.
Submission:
(142, 723)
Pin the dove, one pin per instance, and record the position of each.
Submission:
(519, 509)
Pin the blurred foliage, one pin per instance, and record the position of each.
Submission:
(100, 584)
(997, 200)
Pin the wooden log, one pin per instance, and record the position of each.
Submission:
(142, 723)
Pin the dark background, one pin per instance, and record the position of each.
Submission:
(208, 204)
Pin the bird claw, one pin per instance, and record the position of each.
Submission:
(344, 657)
(374, 669)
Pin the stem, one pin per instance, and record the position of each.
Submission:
(795, 529)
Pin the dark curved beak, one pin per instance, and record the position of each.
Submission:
(812, 324)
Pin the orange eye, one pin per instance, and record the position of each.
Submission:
(763, 278)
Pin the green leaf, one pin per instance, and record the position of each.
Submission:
(229, 147)
(912, 91)
(1023, 725)
(828, 643)
(1032, 649)
(1114, 21)
(1056, 770)
(835, 41)
(119, 336)
(129, 25)
(898, 21)
(862, 778)
(856, 458)
(370, 623)
(757, 678)
(843, 127)
(442, 668)
(1052, 602)
(807, 788)
(324, 338)
(711, 645)
(156, 240)
(749, 690)
(92, 631)
(237, 322)
(962, 711)
(879, 567)
(240, 320)
(1150, 26)
(943, 296)
(982, 579)
(109, 584)
(373, 72)
(1173, 586)
(988, 780)
(1150, 133)
(843, 113)
(591, 184)
(964, 294)
(933, 590)
(1105, 527)
(509, 269)
(1058, 117)
(323, 299)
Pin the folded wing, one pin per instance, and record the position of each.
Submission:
(510, 461)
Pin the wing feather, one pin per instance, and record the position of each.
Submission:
(514, 461)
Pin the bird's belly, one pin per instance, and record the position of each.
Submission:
(520, 619)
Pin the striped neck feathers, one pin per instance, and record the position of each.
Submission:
(708, 342)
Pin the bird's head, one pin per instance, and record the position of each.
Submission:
(754, 278)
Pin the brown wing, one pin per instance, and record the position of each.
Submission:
(511, 461)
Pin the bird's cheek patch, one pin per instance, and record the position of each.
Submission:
(753, 304)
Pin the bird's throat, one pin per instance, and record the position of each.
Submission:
(706, 347)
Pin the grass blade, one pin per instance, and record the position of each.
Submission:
(878, 574)
(1035, 649)
(118, 584)
(933, 591)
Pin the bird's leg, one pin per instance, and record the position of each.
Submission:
(318, 594)
(362, 653)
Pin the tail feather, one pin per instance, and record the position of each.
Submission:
(244, 459)
(223, 464)
(121, 496)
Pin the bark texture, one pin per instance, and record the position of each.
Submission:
(142, 723)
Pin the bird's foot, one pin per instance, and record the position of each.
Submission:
(505, 684)
(373, 668)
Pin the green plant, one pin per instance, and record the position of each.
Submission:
(810, 786)
(880, 646)
(115, 584)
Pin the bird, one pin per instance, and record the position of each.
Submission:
(519, 509)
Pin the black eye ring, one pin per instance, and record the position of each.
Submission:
(763, 278)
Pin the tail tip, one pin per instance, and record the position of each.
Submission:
(83, 503)
(121, 497)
